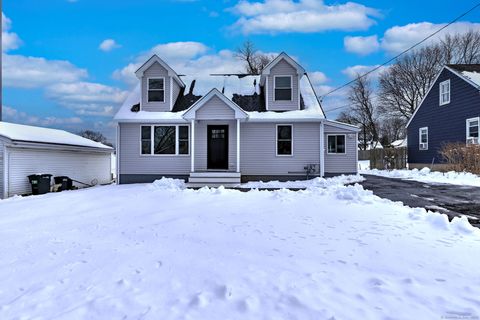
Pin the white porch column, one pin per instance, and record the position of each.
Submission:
(238, 145)
(322, 149)
(192, 147)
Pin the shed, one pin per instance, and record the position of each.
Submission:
(26, 150)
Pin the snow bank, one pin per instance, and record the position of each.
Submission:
(159, 251)
(312, 183)
(425, 175)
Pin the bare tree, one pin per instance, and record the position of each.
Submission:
(363, 112)
(404, 84)
(254, 61)
(391, 129)
(95, 136)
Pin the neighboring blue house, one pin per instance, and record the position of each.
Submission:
(449, 112)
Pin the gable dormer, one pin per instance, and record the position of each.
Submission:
(160, 85)
(280, 79)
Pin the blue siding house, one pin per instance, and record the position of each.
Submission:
(449, 112)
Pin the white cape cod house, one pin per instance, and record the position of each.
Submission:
(249, 127)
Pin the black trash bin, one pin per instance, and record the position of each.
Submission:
(65, 182)
(40, 183)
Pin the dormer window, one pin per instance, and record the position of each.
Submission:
(283, 88)
(156, 89)
(444, 92)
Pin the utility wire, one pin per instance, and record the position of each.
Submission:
(400, 54)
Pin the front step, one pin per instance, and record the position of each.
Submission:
(214, 178)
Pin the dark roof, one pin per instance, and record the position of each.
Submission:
(465, 67)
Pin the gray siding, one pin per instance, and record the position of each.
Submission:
(283, 68)
(1, 169)
(258, 149)
(81, 166)
(341, 163)
(214, 109)
(175, 91)
(155, 70)
(131, 162)
(201, 143)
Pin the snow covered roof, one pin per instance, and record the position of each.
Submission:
(24, 133)
(470, 72)
(244, 90)
(399, 143)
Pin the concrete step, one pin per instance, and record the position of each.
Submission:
(231, 180)
(212, 174)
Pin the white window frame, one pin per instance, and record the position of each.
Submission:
(148, 89)
(420, 138)
(441, 85)
(468, 121)
(275, 87)
(177, 144)
(276, 139)
(334, 135)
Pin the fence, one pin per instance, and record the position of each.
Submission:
(388, 158)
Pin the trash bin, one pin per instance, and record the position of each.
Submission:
(65, 182)
(40, 183)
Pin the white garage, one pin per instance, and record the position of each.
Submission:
(26, 150)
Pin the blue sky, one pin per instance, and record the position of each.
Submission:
(56, 74)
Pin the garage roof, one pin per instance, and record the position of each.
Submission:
(24, 133)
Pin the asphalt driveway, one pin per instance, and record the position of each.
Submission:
(450, 199)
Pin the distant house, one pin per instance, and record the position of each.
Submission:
(400, 143)
(240, 127)
(26, 150)
(449, 112)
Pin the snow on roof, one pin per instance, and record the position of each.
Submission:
(20, 132)
(230, 85)
(472, 76)
(399, 143)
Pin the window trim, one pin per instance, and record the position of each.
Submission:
(334, 135)
(420, 138)
(152, 141)
(442, 103)
(276, 139)
(467, 129)
(148, 89)
(275, 87)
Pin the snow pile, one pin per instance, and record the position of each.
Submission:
(158, 251)
(363, 165)
(168, 184)
(312, 183)
(428, 176)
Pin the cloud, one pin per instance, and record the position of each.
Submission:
(193, 59)
(108, 45)
(13, 115)
(30, 72)
(10, 40)
(317, 77)
(87, 98)
(361, 45)
(305, 16)
(353, 71)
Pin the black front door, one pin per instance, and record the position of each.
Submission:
(217, 144)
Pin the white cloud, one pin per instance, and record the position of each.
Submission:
(30, 72)
(189, 58)
(361, 45)
(87, 98)
(353, 71)
(317, 77)
(10, 40)
(108, 45)
(277, 16)
(14, 115)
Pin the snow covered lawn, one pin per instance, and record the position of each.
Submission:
(158, 251)
(427, 176)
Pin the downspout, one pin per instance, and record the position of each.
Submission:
(322, 149)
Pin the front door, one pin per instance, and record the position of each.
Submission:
(217, 144)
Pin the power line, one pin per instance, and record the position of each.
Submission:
(401, 53)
